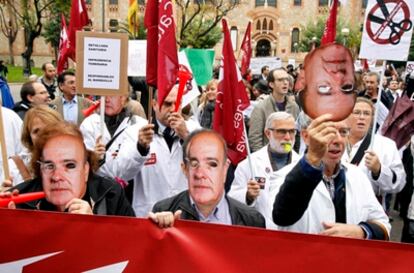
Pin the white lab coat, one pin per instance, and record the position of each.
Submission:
(262, 168)
(91, 130)
(361, 204)
(12, 125)
(388, 155)
(157, 175)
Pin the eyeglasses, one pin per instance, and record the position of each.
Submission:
(282, 79)
(49, 167)
(343, 132)
(362, 113)
(194, 164)
(283, 132)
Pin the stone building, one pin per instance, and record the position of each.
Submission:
(276, 25)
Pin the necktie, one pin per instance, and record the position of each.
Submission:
(169, 137)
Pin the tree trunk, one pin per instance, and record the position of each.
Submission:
(11, 51)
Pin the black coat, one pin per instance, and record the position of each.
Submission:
(241, 215)
(108, 196)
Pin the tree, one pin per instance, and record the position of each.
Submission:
(140, 35)
(197, 23)
(9, 27)
(51, 31)
(30, 13)
(313, 31)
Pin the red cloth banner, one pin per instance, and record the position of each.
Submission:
(58, 242)
(230, 102)
(78, 19)
(329, 32)
(246, 50)
(64, 46)
(162, 58)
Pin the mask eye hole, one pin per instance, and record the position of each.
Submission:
(347, 87)
(324, 89)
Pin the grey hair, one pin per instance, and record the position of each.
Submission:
(277, 116)
(303, 120)
(371, 73)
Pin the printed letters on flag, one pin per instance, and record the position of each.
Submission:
(231, 101)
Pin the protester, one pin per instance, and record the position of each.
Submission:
(323, 195)
(207, 105)
(36, 119)
(63, 170)
(12, 125)
(117, 119)
(381, 163)
(31, 93)
(253, 188)
(265, 71)
(3, 71)
(151, 155)
(205, 165)
(69, 105)
(277, 101)
(48, 79)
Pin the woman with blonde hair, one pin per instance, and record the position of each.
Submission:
(36, 119)
(207, 104)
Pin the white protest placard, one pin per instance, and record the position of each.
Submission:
(388, 27)
(257, 63)
(409, 67)
(137, 57)
(101, 60)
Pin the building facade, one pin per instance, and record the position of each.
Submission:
(276, 25)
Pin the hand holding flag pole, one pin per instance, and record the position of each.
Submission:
(184, 75)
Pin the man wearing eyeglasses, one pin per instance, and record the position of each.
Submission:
(63, 170)
(325, 196)
(252, 187)
(279, 100)
(205, 166)
(381, 162)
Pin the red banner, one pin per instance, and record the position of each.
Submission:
(57, 242)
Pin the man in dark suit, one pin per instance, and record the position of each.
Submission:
(205, 166)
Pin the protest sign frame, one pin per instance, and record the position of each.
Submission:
(119, 73)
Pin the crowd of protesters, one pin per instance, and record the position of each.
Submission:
(312, 176)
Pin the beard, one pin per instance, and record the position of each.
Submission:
(279, 147)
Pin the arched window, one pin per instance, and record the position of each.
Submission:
(364, 4)
(260, 3)
(264, 24)
(113, 2)
(323, 3)
(297, 2)
(272, 3)
(271, 25)
(258, 25)
(294, 47)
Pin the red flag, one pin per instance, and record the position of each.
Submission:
(78, 19)
(246, 50)
(329, 33)
(162, 70)
(64, 46)
(365, 65)
(151, 24)
(231, 101)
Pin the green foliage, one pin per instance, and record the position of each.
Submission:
(140, 35)
(209, 39)
(51, 31)
(313, 32)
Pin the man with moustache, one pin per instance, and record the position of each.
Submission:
(323, 195)
(267, 162)
(205, 165)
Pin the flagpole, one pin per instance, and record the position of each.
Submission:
(374, 123)
(150, 92)
(102, 115)
(103, 16)
(249, 160)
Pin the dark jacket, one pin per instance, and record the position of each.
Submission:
(21, 108)
(108, 196)
(241, 215)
